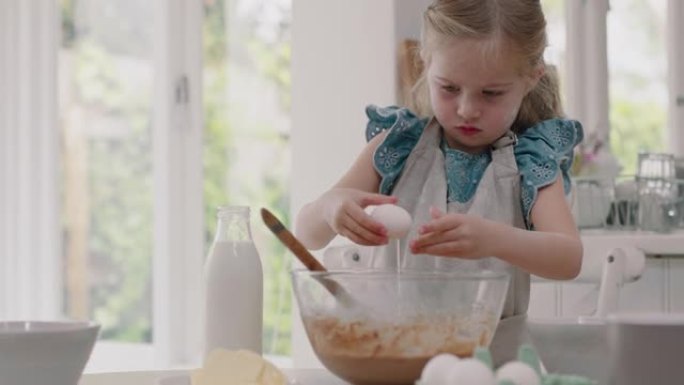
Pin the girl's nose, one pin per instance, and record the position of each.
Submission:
(468, 108)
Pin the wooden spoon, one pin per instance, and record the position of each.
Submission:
(304, 256)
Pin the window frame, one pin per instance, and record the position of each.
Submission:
(177, 152)
(30, 227)
(587, 77)
(587, 65)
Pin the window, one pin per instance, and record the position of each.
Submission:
(637, 78)
(247, 129)
(109, 81)
(617, 93)
(113, 166)
(125, 195)
(554, 10)
(106, 74)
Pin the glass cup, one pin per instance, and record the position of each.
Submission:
(593, 201)
(656, 165)
(658, 192)
(624, 210)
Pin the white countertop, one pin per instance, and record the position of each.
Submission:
(651, 243)
(300, 377)
(595, 240)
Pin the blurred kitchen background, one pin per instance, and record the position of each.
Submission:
(124, 124)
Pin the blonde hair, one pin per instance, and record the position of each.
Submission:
(521, 23)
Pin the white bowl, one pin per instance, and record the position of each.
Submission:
(573, 346)
(45, 352)
(645, 348)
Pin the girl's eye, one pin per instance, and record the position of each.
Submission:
(492, 93)
(449, 89)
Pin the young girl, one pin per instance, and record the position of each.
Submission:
(485, 174)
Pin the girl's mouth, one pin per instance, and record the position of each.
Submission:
(468, 130)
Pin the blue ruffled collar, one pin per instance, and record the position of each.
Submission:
(543, 150)
(463, 167)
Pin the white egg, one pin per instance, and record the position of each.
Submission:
(470, 372)
(435, 371)
(518, 373)
(396, 220)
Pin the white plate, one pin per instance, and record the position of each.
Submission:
(316, 376)
(183, 379)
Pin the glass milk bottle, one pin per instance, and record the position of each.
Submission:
(233, 285)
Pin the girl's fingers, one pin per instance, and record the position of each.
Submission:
(359, 216)
(446, 249)
(360, 240)
(440, 223)
(377, 199)
(372, 225)
(435, 213)
(427, 240)
(368, 236)
(355, 238)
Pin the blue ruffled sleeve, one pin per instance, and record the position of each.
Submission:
(390, 157)
(542, 151)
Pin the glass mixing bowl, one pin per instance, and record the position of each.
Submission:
(396, 322)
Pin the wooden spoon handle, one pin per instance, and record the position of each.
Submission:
(290, 241)
(305, 257)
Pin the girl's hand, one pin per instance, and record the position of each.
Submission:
(454, 235)
(344, 213)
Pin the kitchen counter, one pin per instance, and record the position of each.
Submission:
(300, 377)
(650, 243)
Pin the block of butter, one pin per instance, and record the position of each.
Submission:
(237, 367)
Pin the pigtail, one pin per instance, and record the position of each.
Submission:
(413, 92)
(419, 97)
(541, 103)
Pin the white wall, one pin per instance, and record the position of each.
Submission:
(408, 16)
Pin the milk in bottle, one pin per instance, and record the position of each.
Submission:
(233, 285)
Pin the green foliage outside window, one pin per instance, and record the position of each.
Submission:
(635, 127)
(226, 184)
(120, 224)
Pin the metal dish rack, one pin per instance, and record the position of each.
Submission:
(629, 203)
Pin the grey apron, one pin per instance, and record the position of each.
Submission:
(423, 184)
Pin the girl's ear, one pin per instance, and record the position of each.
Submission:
(536, 75)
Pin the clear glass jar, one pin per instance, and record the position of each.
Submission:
(233, 285)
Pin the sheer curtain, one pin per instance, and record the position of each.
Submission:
(29, 193)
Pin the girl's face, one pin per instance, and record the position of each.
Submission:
(475, 99)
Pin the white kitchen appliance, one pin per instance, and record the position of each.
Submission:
(579, 345)
(645, 348)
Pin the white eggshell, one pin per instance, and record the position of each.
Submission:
(435, 371)
(470, 372)
(518, 373)
(396, 220)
